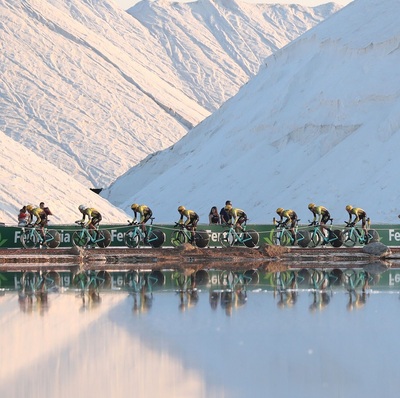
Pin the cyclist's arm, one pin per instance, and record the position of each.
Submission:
(134, 216)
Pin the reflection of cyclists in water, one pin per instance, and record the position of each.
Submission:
(320, 300)
(187, 289)
(356, 300)
(230, 299)
(144, 303)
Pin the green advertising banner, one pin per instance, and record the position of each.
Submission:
(10, 236)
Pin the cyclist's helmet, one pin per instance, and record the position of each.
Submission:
(228, 207)
(349, 208)
(311, 206)
(279, 210)
(135, 206)
(181, 208)
(82, 207)
(29, 207)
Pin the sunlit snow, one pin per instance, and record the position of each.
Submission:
(319, 123)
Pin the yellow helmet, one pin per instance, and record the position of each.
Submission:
(181, 208)
(29, 207)
(228, 207)
(279, 210)
(311, 206)
(349, 208)
(135, 206)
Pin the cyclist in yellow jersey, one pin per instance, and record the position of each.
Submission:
(291, 216)
(321, 216)
(359, 214)
(41, 219)
(237, 216)
(145, 215)
(192, 219)
(93, 215)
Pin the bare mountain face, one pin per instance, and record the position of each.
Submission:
(93, 89)
(319, 123)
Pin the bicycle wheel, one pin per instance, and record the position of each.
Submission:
(201, 238)
(29, 239)
(285, 238)
(132, 238)
(52, 238)
(227, 238)
(178, 238)
(303, 238)
(349, 238)
(315, 238)
(250, 238)
(373, 236)
(103, 238)
(336, 238)
(156, 238)
(80, 239)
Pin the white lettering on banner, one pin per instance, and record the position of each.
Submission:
(394, 279)
(393, 235)
(214, 279)
(66, 281)
(17, 236)
(117, 236)
(214, 236)
(119, 281)
(65, 237)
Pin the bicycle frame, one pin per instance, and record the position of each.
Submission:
(245, 237)
(30, 237)
(318, 237)
(136, 236)
(184, 235)
(283, 235)
(86, 236)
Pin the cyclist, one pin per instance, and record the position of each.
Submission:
(145, 215)
(321, 213)
(359, 214)
(291, 216)
(192, 219)
(94, 217)
(41, 219)
(237, 215)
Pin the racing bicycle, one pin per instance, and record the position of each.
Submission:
(136, 236)
(230, 237)
(89, 283)
(322, 235)
(353, 235)
(88, 237)
(31, 237)
(183, 234)
(282, 235)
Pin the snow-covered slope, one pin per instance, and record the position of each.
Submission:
(28, 179)
(94, 90)
(320, 123)
(215, 45)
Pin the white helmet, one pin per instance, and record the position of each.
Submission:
(82, 207)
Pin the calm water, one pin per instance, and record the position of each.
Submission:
(300, 344)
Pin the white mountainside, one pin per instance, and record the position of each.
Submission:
(94, 90)
(28, 179)
(320, 123)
